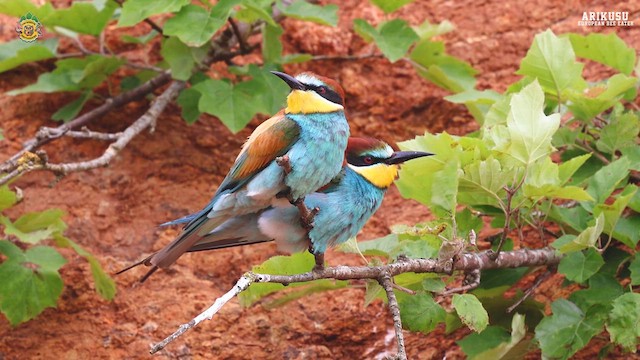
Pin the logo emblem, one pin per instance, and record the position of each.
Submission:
(29, 28)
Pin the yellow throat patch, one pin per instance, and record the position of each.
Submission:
(380, 175)
(309, 102)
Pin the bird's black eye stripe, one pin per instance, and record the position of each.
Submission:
(364, 160)
(327, 93)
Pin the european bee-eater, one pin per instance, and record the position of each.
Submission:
(312, 132)
(345, 204)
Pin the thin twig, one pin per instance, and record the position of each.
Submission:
(243, 284)
(85, 133)
(467, 262)
(471, 281)
(236, 32)
(387, 284)
(345, 57)
(530, 290)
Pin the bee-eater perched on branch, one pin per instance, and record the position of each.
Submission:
(345, 204)
(311, 132)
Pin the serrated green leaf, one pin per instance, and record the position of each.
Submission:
(389, 6)
(281, 265)
(613, 212)
(568, 329)
(498, 344)
(602, 290)
(74, 74)
(72, 109)
(255, 10)
(29, 281)
(373, 291)
(181, 58)
(17, 52)
(446, 71)
(585, 239)
(483, 182)
(188, 101)
(605, 180)
(624, 321)
(35, 226)
(420, 312)
(607, 49)
(193, 25)
(586, 105)
(478, 102)
(569, 167)
(621, 132)
(303, 10)
(530, 130)
(322, 285)
(581, 265)
(392, 37)
(134, 11)
(471, 312)
(552, 61)
(7, 198)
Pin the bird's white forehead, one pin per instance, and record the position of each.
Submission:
(309, 79)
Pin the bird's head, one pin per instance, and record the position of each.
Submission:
(376, 161)
(311, 93)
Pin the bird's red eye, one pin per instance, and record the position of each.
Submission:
(368, 160)
(322, 90)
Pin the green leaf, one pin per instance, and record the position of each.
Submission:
(634, 268)
(552, 61)
(568, 329)
(392, 37)
(373, 291)
(586, 105)
(72, 109)
(17, 52)
(35, 226)
(621, 132)
(271, 44)
(483, 182)
(530, 130)
(581, 265)
(193, 25)
(624, 321)
(281, 265)
(235, 105)
(420, 312)
(7, 198)
(568, 168)
(475, 344)
(471, 312)
(303, 10)
(255, 10)
(427, 30)
(29, 281)
(389, 6)
(511, 347)
(613, 212)
(134, 11)
(605, 180)
(478, 102)
(603, 289)
(446, 71)
(181, 58)
(74, 75)
(322, 285)
(188, 101)
(81, 17)
(105, 286)
(585, 239)
(607, 49)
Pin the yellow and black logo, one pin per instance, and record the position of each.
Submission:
(29, 28)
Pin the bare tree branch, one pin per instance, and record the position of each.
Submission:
(387, 284)
(468, 262)
(31, 163)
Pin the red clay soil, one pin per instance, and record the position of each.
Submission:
(113, 212)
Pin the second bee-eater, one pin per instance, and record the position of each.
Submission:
(345, 205)
(312, 132)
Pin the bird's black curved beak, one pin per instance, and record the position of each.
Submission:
(290, 80)
(399, 157)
